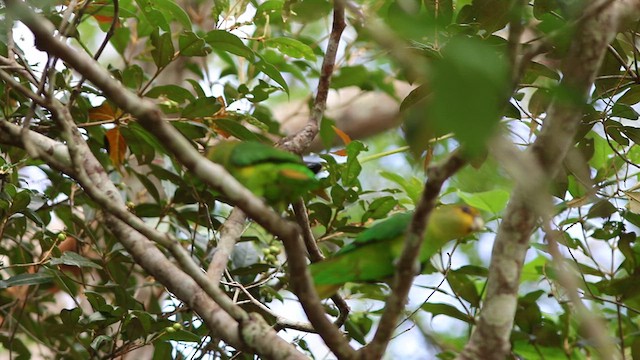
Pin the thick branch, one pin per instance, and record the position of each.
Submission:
(491, 336)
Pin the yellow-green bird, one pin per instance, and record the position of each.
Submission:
(372, 255)
(270, 173)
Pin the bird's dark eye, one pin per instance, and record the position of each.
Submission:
(467, 210)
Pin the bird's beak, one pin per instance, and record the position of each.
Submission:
(478, 224)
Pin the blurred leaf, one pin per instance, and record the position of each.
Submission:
(117, 146)
(273, 73)
(475, 74)
(631, 97)
(191, 44)
(202, 107)
(446, 309)
(225, 41)
(493, 201)
(27, 279)
(163, 50)
(291, 47)
(74, 259)
(464, 287)
(624, 111)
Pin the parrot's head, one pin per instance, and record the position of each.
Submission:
(472, 218)
(455, 221)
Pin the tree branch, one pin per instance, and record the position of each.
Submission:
(492, 333)
(229, 234)
(300, 141)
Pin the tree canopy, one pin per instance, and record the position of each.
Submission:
(121, 238)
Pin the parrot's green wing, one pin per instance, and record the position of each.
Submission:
(276, 175)
(371, 256)
(251, 153)
(391, 228)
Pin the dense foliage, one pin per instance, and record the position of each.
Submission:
(87, 174)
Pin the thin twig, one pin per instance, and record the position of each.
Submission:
(297, 143)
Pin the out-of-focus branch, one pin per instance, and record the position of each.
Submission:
(405, 268)
(492, 333)
(595, 327)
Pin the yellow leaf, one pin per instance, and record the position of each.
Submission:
(634, 201)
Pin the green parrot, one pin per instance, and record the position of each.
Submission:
(270, 173)
(372, 255)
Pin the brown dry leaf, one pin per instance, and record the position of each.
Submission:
(116, 145)
(428, 157)
(346, 139)
(104, 112)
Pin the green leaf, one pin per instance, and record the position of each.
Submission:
(632, 133)
(415, 96)
(238, 130)
(352, 167)
(173, 11)
(269, 6)
(493, 201)
(470, 87)
(100, 340)
(163, 50)
(191, 129)
(226, 41)
(412, 186)
(191, 44)
(379, 208)
(631, 97)
(153, 16)
(172, 92)
(202, 107)
(602, 209)
(181, 335)
(624, 111)
(350, 76)
(292, 47)
(358, 326)
(74, 259)
(273, 73)
(446, 309)
(40, 277)
(20, 201)
(464, 287)
(121, 39)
